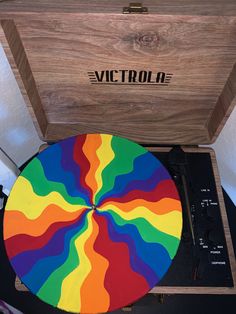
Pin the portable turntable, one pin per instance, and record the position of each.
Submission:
(162, 74)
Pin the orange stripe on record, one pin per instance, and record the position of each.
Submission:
(93, 286)
(92, 143)
(161, 207)
(20, 224)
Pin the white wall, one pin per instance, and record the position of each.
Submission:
(18, 137)
(8, 172)
(225, 148)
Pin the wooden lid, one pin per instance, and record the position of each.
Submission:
(167, 77)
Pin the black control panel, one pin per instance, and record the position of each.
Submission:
(202, 258)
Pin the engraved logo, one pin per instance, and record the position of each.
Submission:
(129, 77)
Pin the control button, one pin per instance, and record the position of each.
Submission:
(211, 212)
(214, 236)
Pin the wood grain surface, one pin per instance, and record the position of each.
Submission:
(168, 7)
(192, 290)
(59, 49)
(223, 107)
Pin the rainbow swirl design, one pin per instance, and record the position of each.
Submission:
(92, 223)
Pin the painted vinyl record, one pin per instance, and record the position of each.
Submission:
(92, 223)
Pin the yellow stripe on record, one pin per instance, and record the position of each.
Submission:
(170, 223)
(70, 291)
(33, 205)
(105, 155)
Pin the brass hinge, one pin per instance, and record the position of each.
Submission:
(135, 8)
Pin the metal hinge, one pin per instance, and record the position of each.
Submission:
(135, 8)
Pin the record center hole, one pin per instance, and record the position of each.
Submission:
(94, 207)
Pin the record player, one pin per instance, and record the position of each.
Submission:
(162, 74)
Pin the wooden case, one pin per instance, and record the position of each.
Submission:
(164, 76)
(181, 55)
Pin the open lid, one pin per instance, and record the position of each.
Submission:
(166, 77)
